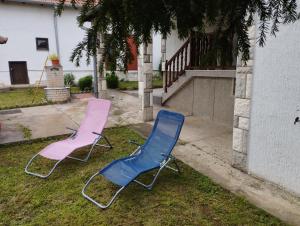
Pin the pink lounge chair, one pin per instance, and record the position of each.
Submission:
(89, 133)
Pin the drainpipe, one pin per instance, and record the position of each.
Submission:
(96, 92)
(56, 33)
(95, 77)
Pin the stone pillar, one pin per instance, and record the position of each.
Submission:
(102, 87)
(56, 90)
(145, 73)
(163, 59)
(242, 106)
(140, 59)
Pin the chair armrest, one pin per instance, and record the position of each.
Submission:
(99, 134)
(74, 130)
(134, 142)
(167, 156)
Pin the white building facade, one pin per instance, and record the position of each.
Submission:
(28, 24)
(262, 100)
(273, 145)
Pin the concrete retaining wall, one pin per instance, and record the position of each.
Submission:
(208, 97)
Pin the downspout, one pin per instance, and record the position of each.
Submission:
(95, 76)
(56, 33)
(96, 92)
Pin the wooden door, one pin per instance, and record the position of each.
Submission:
(133, 65)
(18, 72)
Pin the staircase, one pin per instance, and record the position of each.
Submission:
(197, 53)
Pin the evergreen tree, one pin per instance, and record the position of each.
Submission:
(139, 18)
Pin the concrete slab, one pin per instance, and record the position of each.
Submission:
(51, 120)
(157, 95)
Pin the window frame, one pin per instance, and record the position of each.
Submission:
(37, 39)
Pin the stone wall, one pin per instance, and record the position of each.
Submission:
(146, 79)
(55, 77)
(128, 76)
(58, 94)
(242, 106)
(56, 90)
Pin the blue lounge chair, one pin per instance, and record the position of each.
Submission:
(155, 153)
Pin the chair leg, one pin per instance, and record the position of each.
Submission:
(91, 149)
(149, 186)
(107, 141)
(37, 174)
(86, 157)
(102, 206)
(176, 165)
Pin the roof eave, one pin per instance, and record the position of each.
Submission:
(37, 2)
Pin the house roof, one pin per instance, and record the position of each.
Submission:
(47, 2)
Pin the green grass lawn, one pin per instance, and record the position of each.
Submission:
(133, 85)
(74, 90)
(186, 199)
(128, 85)
(22, 98)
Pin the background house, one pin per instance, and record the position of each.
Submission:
(34, 32)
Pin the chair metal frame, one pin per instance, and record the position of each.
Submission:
(72, 136)
(163, 165)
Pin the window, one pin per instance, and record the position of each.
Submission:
(42, 44)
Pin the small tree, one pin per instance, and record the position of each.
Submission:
(136, 18)
(69, 79)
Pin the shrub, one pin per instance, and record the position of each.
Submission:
(69, 79)
(85, 83)
(112, 80)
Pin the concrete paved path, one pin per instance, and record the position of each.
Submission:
(52, 120)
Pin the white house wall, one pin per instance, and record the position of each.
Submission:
(274, 145)
(173, 43)
(156, 51)
(22, 23)
(69, 36)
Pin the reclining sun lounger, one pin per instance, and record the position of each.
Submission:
(154, 154)
(89, 133)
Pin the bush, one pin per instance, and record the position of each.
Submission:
(85, 83)
(69, 79)
(112, 80)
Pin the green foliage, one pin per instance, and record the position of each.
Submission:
(160, 67)
(69, 79)
(157, 81)
(85, 83)
(74, 90)
(27, 133)
(112, 80)
(125, 18)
